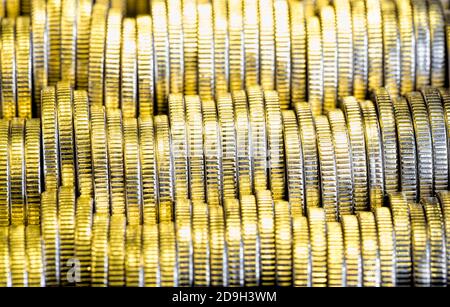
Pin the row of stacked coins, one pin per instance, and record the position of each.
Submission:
(211, 48)
(211, 150)
(251, 241)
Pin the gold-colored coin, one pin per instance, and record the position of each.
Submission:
(100, 250)
(5, 276)
(200, 243)
(8, 69)
(150, 251)
(133, 256)
(391, 47)
(39, 52)
(17, 254)
(250, 239)
(35, 264)
(17, 171)
(183, 228)
(96, 65)
(5, 191)
(233, 238)
(243, 142)
(33, 170)
(83, 21)
(54, 10)
(317, 234)
(314, 65)
(82, 141)
(68, 44)
(205, 40)
(327, 167)
(112, 58)
(116, 250)
(67, 223)
(275, 146)
(336, 261)
(301, 250)
(369, 249)
(266, 224)
(386, 244)
(375, 43)
(423, 43)
(161, 50)
(218, 260)
(194, 121)
(294, 161)
(116, 147)
(436, 234)
(360, 48)
(129, 84)
(257, 115)
(406, 149)
(267, 44)
(150, 189)
(100, 161)
(175, 35)
(190, 61)
(251, 41)
(330, 53)
(145, 65)
(407, 43)
(132, 167)
(420, 246)
(283, 243)
(83, 235)
(225, 115)
(50, 236)
(164, 166)
(282, 52)
(236, 45)
(374, 154)
(167, 254)
(307, 133)
(345, 47)
(24, 67)
(344, 169)
(355, 126)
(221, 43)
(298, 51)
(402, 229)
(352, 251)
(64, 100)
(212, 151)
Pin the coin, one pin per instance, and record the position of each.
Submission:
(24, 67)
(301, 250)
(200, 243)
(54, 9)
(407, 149)
(317, 234)
(233, 239)
(150, 251)
(112, 58)
(386, 244)
(176, 47)
(327, 167)
(68, 44)
(369, 249)
(8, 70)
(67, 222)
(190, 61)
(83, 236)
(145, 64)
(116, 250)
(250, 239)
(335, 255)
(83, 22)
(129, 85)
(183, 228)
(283, 243)
(420, 246)
(330, 53)
(314, 65)
(132, 167)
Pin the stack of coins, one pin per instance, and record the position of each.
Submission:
(315, 54)
(224, 143)
(253, 241)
